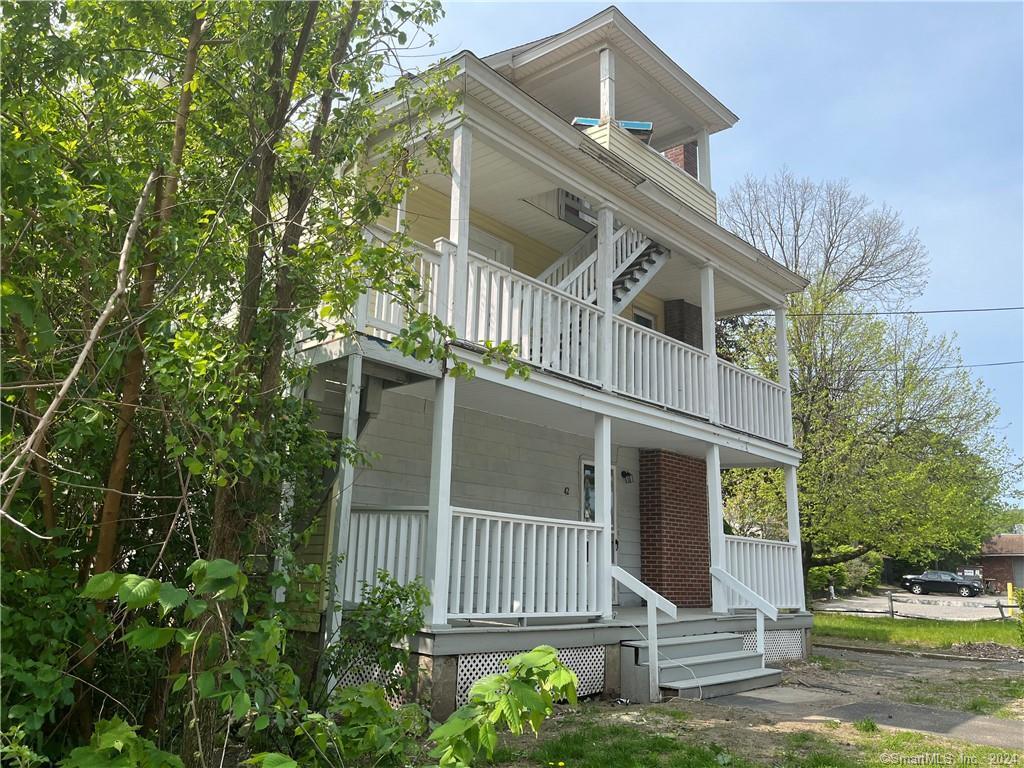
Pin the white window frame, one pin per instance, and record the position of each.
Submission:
(646, 316)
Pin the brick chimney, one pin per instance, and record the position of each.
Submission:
(684, 156)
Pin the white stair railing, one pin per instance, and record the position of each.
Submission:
(570, 260)
(751, 599)
(655, 602)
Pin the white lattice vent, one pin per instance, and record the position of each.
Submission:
(587, 662)
(371, 672)
(779, 644)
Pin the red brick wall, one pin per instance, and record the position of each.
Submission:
(998, 568)
(675, 551)
(684, 156)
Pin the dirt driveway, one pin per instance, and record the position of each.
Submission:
(950, 607)
(976, 701)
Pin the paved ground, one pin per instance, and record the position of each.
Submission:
(924, 607)
(851, 686)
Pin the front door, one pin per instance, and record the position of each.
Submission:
(588, 511)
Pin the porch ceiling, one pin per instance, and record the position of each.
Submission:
(508, 402)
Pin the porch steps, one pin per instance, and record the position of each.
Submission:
(695, 666)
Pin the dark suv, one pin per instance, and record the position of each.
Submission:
(942, 581)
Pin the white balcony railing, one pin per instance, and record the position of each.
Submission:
(750, 403)
(770, 568)
(392, 539)
(518, 566)
(658, 369)
(553, 330)
(557, 332)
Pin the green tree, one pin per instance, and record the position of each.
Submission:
(898, 450)
(185, 188)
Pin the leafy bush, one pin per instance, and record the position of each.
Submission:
(116, 744)
(523, 696)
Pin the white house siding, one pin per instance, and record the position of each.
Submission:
(499, 464)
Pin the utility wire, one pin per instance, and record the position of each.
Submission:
(901, 312)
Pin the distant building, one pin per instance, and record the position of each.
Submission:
(1002, 558)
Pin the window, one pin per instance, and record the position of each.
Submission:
(643, 318)
(490, 247)
(588, 492)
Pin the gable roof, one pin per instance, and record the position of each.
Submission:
(611, 26)
(1004, 544)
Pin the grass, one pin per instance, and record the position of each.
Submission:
(983, 694)
(659, 739)
(919, 633)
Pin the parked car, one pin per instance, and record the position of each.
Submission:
(943, 581)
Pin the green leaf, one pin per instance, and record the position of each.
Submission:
(206, 684)
(137, 591)
(260, 723)
(241, 706)
(272, 760)
(193, 608)
(102, 586)
(170, 597)
(147, 638)
(194, 465)
(221, 569)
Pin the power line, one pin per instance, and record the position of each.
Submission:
(904, 312)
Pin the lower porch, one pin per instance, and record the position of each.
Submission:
(530, 518)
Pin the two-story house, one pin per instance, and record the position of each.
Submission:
(581, 507)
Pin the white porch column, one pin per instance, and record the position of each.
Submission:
(439, 516)
(707, 321)
(782, 353)
(793, 524)
(603, 510)
(458, 233)
(605, 303)
(704, 158)
(607, 85)
(343, 487)
(716, 526)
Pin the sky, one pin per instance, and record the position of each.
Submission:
(919, 105)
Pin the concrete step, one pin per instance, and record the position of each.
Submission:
(687, 668)
(722, 685)
(689, 645)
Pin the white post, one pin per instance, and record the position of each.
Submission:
(759, 634)
(782, 352)
(400, 211)
(458, 233)
(439, 519)
(716, 526)
(607, 85)
(605, 302)
(603, 510)
(652, 652)
(704, 158)
(707, 320)
(793, 524)
(343, 486)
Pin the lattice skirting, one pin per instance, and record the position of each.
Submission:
(372, 672)
(587, 662)
(779, 644)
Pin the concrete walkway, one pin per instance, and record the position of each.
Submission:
(811, 704)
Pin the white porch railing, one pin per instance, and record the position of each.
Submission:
(750, 403)
(567, 262)
(385, 317)
(515, 566)
(658, 369)
(655, 602)
(553, 330)
(391, 539)
(750, 599)
(770, 568)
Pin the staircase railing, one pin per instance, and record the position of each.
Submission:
(655, 603)
(581, 282)
(761, 606)
(565, 264)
